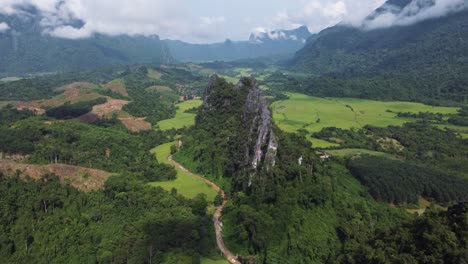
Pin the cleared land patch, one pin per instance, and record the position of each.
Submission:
(117, 86)
(135, 124)
(73, 93)
(84, 179)
(314, 113)
(158, 88)
(154, 74)
(112, 106)
(185, 184)
(181, 118)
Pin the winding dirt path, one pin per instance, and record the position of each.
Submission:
(219, 212)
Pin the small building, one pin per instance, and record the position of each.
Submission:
(325, 156)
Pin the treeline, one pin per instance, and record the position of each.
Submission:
(435, 237)
(9, 115)
(437, 117)
(420, 142)
(128, 222)
(69, 111)
(461, 119)
(399, 182)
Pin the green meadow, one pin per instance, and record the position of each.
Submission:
(185, 184)
(462, 130)
(181, 118)
(315, 113)
(358, 152)
(233, 80)
(211, 261)
(10, 79)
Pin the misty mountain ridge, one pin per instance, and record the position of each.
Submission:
(409, 12)
(300, 34)
(28, 45)
(260, 44)
(405, 56)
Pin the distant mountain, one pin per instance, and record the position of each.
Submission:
(412, 59)
(25, 48)
(262, 44)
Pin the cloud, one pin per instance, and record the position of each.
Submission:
(170, 19)
(415, 12)
(212, 20)
(320, 14)
(203, 21)
(4, 27)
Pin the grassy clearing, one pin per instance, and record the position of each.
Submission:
(314, 113)
(358, 152)
(185, 184)
(243, 72)
(117, 86)
(158, 88)
(181, 118)
(230, 79)
(463, 131)
(4, 103)
(10, 79)
(211, 261)
(154, 74)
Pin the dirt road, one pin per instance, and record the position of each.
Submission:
(219, 212)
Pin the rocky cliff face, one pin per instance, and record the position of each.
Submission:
(242, 106)
(262, 143)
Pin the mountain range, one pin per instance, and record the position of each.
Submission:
(263, 44)
(427, 58)
(25, 48)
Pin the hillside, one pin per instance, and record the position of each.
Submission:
(25, 48)
(264, 44)
(422, 61)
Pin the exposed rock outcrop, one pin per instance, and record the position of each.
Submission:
(255, 141)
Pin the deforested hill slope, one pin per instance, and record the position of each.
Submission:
(423, 60)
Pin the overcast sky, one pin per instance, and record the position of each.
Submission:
(199, 21)
(194, 20)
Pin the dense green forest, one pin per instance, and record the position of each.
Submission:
(127, 222)
(319, 212)
(436, 237)
(398, 181)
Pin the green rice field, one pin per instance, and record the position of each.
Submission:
(315, 113)
(185, 184)
(181, 118)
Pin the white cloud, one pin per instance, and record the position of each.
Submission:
(113, 17)
(212, 20)
(320, 14)
(4, 27)
(203, 20)
(415, 12)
